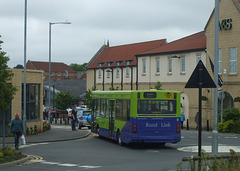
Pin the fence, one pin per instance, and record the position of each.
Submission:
(214, 162)
(58, 118)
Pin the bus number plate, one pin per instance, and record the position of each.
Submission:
(168, 96)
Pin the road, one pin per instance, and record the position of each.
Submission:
(93, 153)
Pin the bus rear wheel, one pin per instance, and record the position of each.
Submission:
(161, 145)
(119, 140)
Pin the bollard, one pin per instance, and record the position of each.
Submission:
(207, 125)
(187, 125)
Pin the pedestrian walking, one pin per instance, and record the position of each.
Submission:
(74, 118)
(197, 119)
(182, 119)
(17, 129)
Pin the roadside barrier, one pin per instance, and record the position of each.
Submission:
(60, 119)
(214, 162)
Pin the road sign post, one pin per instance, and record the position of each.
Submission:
(196, 81)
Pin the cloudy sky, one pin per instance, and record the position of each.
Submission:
(93, 23)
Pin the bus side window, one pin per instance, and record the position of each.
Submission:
(106, 107)
(98, 107)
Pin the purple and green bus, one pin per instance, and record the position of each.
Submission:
(139, 116)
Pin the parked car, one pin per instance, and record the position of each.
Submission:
(84, 118)
(83, 107)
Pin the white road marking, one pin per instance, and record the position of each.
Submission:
(152, 151)
(208, 149)
(68, 164)
(230, 137)
(30, 145)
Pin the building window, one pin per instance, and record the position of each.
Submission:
(220, 62)
(144, 66)
(198, 58)
(59, 74)
(52, 74)
(127, 69)
(99, 70)
(157, 65)
(108, 65)
(117, 73)
(183, 67)
(169, 65)
(32, 101)
(233, 61)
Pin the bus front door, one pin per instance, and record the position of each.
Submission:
(111, 119)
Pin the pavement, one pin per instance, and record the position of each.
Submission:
(56, 133)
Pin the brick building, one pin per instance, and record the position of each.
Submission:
(59, 71)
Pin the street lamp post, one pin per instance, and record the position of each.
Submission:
(25, 56)
(49, 97)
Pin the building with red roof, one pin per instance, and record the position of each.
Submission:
(143, 66)
(59, 70)
(117, 65)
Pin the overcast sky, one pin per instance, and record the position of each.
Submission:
(93, 23)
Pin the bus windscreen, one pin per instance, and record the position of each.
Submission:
(156, 107)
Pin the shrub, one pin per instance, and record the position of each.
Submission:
(7, 154)
(231, 114)
(46, 126)
(230, 122)
(236, 128)
(35, 130)
(226, 126)
(7, 151)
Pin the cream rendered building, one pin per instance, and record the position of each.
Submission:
(172, 65)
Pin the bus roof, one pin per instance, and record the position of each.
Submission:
(132, 91)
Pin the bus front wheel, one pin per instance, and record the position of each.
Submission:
(97, 131)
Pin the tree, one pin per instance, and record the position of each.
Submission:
(7, 90)
(64, 100)
(88, 98)
(19, 66)
(78, 67)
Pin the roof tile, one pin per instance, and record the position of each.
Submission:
(193, 42)
(124, 52)
(55, 66)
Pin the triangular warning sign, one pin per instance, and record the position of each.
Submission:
(205, 81)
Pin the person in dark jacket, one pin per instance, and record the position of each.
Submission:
(197, 119)
(17, 129)
(74, 118)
